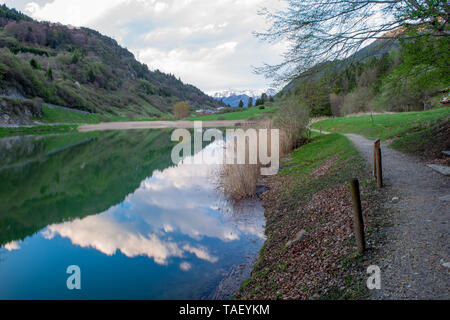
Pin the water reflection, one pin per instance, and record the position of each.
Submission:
(178, 200)
(169, 235)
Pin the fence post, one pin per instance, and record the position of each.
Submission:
(358, 223)
(379, 168)
(376, 145)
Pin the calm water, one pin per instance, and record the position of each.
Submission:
(115, 205)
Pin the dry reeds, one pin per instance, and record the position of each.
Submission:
(239, 181)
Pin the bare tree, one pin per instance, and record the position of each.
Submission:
(327, 30)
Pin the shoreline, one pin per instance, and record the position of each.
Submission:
(309, 252)
(132, 125)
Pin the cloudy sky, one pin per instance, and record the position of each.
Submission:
(207, 43)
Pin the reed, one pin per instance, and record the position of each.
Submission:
(239, 181)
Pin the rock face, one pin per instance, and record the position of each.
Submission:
(18, 112)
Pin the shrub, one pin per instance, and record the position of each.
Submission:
(35, 64)
(181, 110)
(49, 74)
(76, 56)
(36, 106)
(262, 107)
(336, 102)
(292, 119)
(357, 101)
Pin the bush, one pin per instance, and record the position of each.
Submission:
(262, 107)
(35, 64)
(292, 119)
(181, 110)
(36, 106)
(357, 101)
(336, 102)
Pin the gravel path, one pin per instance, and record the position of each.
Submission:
(415, 260)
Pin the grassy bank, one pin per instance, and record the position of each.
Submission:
(423, 133)
(42, 129)
(245, 114)
(311, 195)
(384, 126)
(51, 115)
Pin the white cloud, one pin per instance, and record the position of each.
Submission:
(185, 266)
(11, 246)
(206, 43)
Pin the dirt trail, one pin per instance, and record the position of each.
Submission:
(415, 260)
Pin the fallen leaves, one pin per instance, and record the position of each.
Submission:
(309, 267)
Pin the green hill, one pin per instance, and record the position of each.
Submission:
(81, 69)
(387, 75)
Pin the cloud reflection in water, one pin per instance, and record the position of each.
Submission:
(178, 202)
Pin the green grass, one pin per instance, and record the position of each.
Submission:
(385, 126)
(309, 157)
(253, 112)
(18, 131)
(303, 162)
(50, 115)
(413, 141)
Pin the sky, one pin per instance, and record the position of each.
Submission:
(206, 43)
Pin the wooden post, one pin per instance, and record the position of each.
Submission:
(358, 223)
(376, 145)
(379, 168)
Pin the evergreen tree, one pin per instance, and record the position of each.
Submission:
(49, 74)
(250, 102)
(91, 75)
(76, 56)
(241, 104)
(264, 97)
(35, 64)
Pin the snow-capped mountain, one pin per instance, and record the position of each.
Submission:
(232, 97)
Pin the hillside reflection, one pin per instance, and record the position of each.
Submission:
(165, 217)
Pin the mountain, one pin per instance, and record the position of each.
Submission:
(82, 69)
(232, 97)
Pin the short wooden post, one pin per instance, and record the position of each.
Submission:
(376, 145)
(379, 168)
(358, 223)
